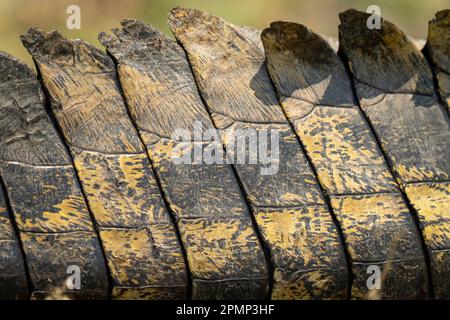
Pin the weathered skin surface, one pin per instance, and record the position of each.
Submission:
(394, 85)
(13, 277)
(55, 227)
(438, 49)
(316, 95)
(306, 251)
(225, 257)
(142, 250)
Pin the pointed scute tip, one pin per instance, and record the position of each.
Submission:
(31, 37)
(278, 25)
(176, 14)
(443, 16)
(134, 26)
(274, 30)
(274, 38)
(179, 12)
(105, 39)
(266, 34)
(352, 21)
(127, 22)
(290, 33)
(102, 35)
(288, 30)
(38, 42)
(38, 35)
(351, 15)
(181, 16)
(175, 10)
(354, 31)
(296, 40)
(130, 24)
(268, 39)
(298, 31)
(142, 31)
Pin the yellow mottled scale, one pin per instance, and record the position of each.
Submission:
(379, 230)
(377, 226)
(213, 257)
(304, 246)
(121, 189)
(296, 231)
(416, 173)
(343, 151)
(145, 255)
(56, 204)
(224, 248)
(112, 165)
(432, 202)
(308, 285)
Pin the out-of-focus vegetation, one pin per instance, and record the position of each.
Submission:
(16, 16)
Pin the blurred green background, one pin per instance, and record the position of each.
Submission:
(16, 16)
